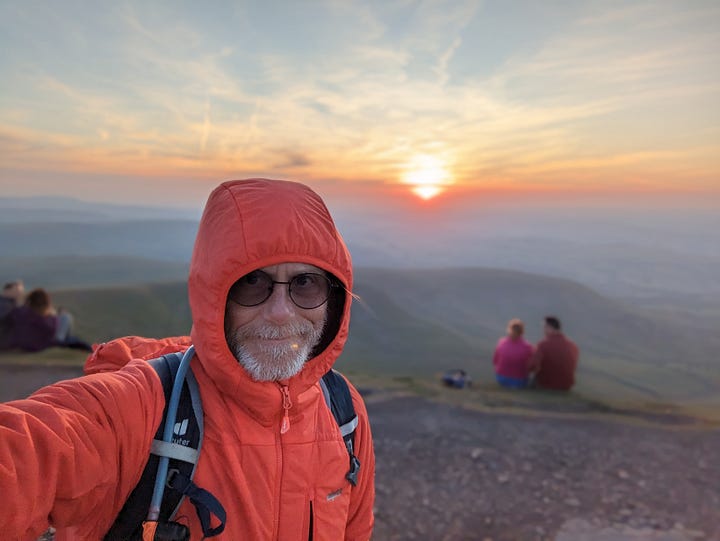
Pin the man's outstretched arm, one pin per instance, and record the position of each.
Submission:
(71, 453)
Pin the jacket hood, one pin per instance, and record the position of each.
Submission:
(246, 225)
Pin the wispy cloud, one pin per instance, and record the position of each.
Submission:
(193, 98)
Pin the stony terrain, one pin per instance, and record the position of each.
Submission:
(447, 473)
(549, 468)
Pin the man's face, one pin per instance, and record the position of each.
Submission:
(274, 339)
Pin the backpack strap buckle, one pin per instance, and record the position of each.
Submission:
(352, 475)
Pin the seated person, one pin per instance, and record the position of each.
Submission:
(36, 325)
(512, 357)
(555, 358)
(11, 297)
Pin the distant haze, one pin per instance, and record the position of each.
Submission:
(637, 288)
(630, 252)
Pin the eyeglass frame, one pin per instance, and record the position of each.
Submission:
(332, 284)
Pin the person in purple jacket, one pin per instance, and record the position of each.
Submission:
(512, 357)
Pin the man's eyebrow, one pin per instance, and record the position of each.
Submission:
(304, 269)
(307, 267)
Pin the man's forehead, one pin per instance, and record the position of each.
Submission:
(291, 268)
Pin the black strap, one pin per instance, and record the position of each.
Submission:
(341, 406)
(206, 505)
(128, 524)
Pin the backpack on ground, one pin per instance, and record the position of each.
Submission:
(167, 477)
(457, 378)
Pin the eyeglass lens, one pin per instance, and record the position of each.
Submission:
(307, 290)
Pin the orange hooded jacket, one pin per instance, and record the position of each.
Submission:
(72, 452)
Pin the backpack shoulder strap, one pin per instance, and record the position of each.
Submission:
(338, 398)
(183, 452)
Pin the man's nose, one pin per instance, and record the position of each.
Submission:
(279, 307)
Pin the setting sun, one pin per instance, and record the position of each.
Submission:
(427, 174)
(426, 192)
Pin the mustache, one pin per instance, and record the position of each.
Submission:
(279, 332)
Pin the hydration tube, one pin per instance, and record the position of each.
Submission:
(162, 471)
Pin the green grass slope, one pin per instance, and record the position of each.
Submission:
(154, 310)
(421, 322)
(90, 271)
(418, 323)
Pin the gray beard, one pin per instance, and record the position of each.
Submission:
(280, 361)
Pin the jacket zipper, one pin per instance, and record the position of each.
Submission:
(287, 404)
(284, 427)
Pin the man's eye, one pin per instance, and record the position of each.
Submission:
(306, 280)
(251, 279)
(302, 280)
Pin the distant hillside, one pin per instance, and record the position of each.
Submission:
(657, 255)
(153, 310)
(477, 303)
(618, 269)
(168, 240)
(67, 209)
(422, 322)
(88, 271)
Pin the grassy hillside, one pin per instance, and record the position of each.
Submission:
(90, 271)
(170, 240)
(426, 321)
(419, 323)
(155, 310)
(477, 303)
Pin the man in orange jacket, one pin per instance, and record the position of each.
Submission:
(269, 289)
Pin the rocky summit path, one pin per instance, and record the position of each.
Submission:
(447, 473)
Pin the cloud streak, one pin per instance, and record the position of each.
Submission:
(578, 110)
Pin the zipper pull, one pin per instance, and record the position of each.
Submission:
(287, 404)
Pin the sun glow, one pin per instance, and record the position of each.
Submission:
(427, 175)
(427, 191)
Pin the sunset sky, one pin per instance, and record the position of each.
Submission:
(129, 103)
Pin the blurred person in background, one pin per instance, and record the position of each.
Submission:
(12, 296)
(512, 357)
(555, 359)
(37, 325)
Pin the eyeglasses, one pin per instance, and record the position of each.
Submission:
(307, 290)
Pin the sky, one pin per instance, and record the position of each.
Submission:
(157, 102)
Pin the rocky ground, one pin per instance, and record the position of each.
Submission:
(449, 473)
(19, 381)
(491, 466)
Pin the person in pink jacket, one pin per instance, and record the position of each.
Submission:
(512, 357)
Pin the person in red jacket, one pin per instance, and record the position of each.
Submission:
(270, 289)
(555, 359)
